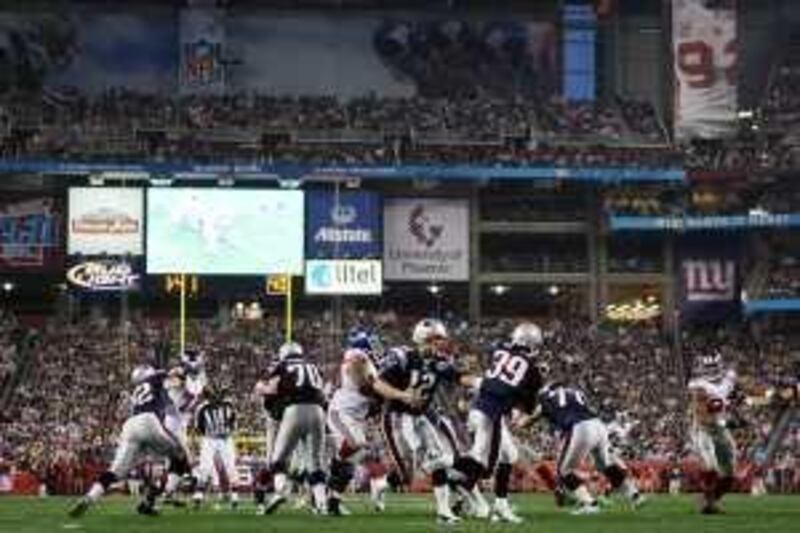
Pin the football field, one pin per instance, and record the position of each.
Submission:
(771, 514)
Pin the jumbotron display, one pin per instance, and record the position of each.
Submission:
(217, 231)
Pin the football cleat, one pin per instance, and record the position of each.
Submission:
(274, 504)
(637, 500)
(79, 508)
(502, 512)
(145, 509)
(175, 502)
(447, 519)
(586, 509)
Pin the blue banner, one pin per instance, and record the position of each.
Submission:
(31, 234)
(709, 273)
(690, 223)
(772, 305)
(343, 225)
(607, 175)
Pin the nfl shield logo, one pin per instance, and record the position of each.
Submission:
(202, 62)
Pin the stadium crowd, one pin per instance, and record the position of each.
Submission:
(250, 128)
(65, 414)
(8, 347)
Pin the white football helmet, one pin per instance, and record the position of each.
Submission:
(527, 334)
(288, 349)
(428, 330)
(193, 360)
(710, 365)
(141, 372)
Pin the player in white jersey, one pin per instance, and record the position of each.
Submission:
(179, 416)
(359, 393)
(710, 394)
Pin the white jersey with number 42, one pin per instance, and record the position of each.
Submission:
(349, 396)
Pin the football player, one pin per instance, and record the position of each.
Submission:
(359, 393)
(142, 434)
(215, 422)
(710, 393)
(512, 382)
(583, 434)
(298, 383)
(422, 368)
(184, 393)
(193, 362)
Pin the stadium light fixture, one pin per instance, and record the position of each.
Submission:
(499, 290)
(8, 286)
(160, 182)
(553, 290)
(125, 175)
(434, 289)
(289, 183)
(745, 114)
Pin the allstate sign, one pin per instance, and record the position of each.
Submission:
(344, 225)
(343, 277)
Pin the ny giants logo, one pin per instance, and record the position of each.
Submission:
(709, 280)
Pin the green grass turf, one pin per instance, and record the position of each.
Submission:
(772, 514)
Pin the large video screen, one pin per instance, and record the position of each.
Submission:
(105, 220)
(224, 231)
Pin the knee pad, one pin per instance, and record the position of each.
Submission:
(616, 475)
(571, 481)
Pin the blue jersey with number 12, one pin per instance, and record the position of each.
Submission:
(512, 380)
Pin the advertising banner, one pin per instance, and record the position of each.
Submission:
(751, 220)
(343, 225)
(31, 234)
(105, 220)
(426, 239)
(105, 275)
(704, 41)
(224, 231)
(342, 277)
(709, 278)
(355, 54)
(202, 34)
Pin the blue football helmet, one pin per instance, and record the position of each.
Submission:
(364, 339)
